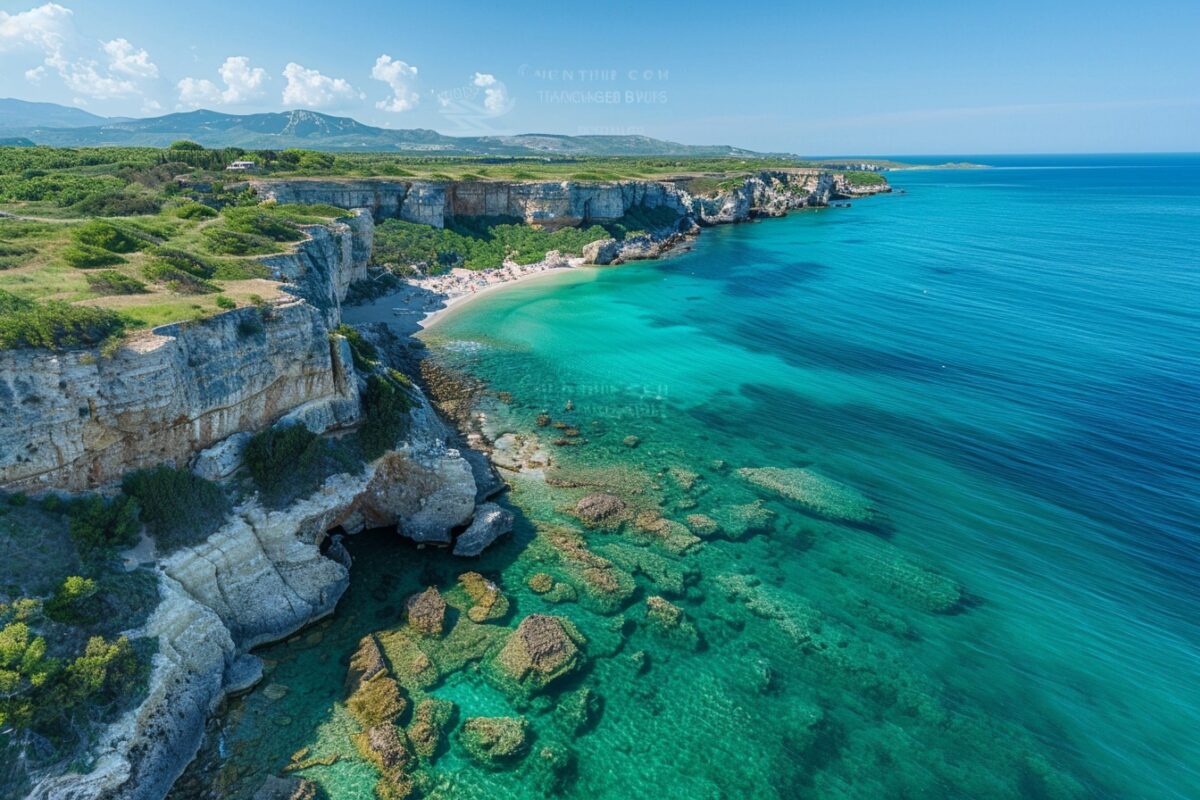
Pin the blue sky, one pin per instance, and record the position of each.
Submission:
(812, 78)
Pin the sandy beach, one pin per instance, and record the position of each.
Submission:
(421, 302)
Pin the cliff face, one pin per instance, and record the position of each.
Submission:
(258, 579)
(79, 420)
(560, 203)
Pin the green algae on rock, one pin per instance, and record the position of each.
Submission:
(426, 612)
(540, 651)
(488, 603)
(495, 741)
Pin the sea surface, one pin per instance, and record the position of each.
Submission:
(1003, 364)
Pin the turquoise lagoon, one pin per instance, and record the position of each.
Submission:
(1002, 363)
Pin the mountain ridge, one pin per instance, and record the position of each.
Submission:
(62, 126)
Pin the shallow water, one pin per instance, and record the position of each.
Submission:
(1003, 362)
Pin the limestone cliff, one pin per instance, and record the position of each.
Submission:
(258, 579)
(79, 419)
(563, 203)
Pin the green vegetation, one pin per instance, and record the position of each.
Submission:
(65, 668)
(178, 508)
(85, 256)
(54, 325)
(386, 403)
(291, 461)
(479, 244)
(862, 178)
(364, 354)
(112, 282)
(99, 525)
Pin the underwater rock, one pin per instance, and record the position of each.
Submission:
(561, 593)
(488, 603)
(386, 748)
(738, 522)
(600, 509)
(905, 579)
(631, 441)
(814, 492)
(549, 770)
(670, 535)
(540, 582)
(703, 525)
(275, 788)
(577, 711)
(426, 612)
(430, 720)
(365, 664)
(668, 575)
(685, 479)
(377, 701)
(490, 523)
(605, 588)
(667, 620)
(495, 741)
(275, 692)
(541, 650)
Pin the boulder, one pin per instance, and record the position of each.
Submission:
(426, 612)
(275, 788)
(222, 459)
(490, 523)
(603, 251)
(495, 741)
(430, 720)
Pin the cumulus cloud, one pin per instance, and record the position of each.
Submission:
(399, 77)
(495, 93)
(310, 89)
(243, 83)
(84, 78)
(44, 28)
(48, 28)
(125, 58)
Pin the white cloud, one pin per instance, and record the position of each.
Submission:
(495, 93)
(399, 76)
(243, 83)
(125, 58)
(197, 92)
(45, 28)
(308, 88)
(83, 78)
(151, 107)
(48, 28)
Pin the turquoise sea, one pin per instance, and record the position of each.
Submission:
(1005, 363)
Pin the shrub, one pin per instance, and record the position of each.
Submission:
(223, 241)
(58, 326)
(107, 236)
(85, 256)
(386, 403)
(193, 210)
(250, 325)
(227, 303)
(185, 261)
(118, 204)
(257, 221)
(70, 601)
(178, 508)
(363, 353)
(112, 282)
(176, 279)
(12, 255)
(292, 461)
(98, 525)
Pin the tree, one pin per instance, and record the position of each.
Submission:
(24, 668)
(184, 144)
(69, 603)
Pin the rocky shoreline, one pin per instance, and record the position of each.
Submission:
(188, 394)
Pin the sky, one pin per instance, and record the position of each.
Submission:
(849, 77)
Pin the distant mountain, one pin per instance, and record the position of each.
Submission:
(314, 131)
(24, 114)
